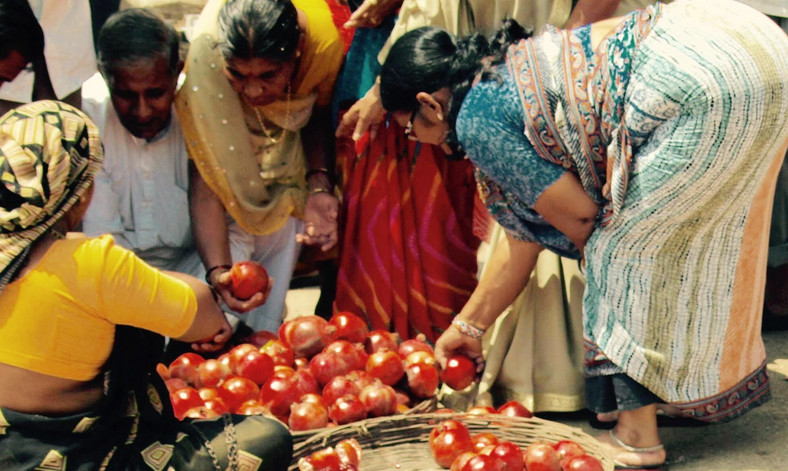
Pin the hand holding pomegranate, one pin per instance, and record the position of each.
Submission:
(453, 342)
(243, 287)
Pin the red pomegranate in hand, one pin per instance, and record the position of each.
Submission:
(459, 373)
(247, 279)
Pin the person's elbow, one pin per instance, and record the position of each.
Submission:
(582, 231)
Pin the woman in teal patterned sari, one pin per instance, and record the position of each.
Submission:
(648, 147)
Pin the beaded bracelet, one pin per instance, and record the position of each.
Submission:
(467, 329)
(213, 269)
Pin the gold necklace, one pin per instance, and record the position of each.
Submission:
(260, 118)
(262, 126)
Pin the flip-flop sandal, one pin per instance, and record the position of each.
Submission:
(634, 449)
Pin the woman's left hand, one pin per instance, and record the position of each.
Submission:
(320, 218)
(371, 13)
(215, 342)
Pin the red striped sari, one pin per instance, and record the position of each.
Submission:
(408, 251)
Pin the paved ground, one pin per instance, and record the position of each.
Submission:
(756, 442)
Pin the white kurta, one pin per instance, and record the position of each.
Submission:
(141, 193)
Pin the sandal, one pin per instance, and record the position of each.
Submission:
(634, 449)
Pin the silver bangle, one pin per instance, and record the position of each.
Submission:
(467, 329)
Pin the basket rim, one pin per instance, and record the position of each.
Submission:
(408, 429)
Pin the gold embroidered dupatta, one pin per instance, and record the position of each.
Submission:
(260, 181)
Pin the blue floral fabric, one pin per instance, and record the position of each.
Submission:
(491, 130)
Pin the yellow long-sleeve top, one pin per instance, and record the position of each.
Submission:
(59, 318)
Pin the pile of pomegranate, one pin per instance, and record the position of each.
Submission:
(344, 456)
(455, 448)
(313, 374)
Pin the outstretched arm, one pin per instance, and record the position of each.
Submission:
(510, 267)
(210, 330)
(209, 223)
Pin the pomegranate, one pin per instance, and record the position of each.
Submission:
(385, 365)
(306, 335)
(212, 372)
(482, 462)
(237, 353)
(448, 440)
(459, 462)
(361, 378)
(185, 367)
(379, 339)
(419, 344)
(247, 279)
(251, 407)
(278, 393)
(349, 451)
(255, 366)
(353, 354)
(379, 400)
(483, 439)
(459, 373)
(280, 353)
(339, 386)
(542, 457)
(423, 380)
(514, 409)
(347, 409)
(184, 399)
(510, 454)
(305, 382)
(419, 357)
(349, 327)
(307, 416)
(327, 365)
(236, 390)
(583, 463)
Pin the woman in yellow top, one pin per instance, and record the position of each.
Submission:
(82, 324)
(255, 110)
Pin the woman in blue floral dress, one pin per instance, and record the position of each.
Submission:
(648, 147)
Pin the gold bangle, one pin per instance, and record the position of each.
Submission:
(315, 191)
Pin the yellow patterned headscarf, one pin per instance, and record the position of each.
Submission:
(49, 153)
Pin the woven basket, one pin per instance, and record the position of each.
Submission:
(401, 442)
(423, 407)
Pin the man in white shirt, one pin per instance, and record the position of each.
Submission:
(141, 194)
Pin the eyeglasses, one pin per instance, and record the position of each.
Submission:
(409, 127)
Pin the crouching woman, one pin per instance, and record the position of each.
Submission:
(82, 320)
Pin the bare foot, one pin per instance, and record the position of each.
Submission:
(627, 455)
